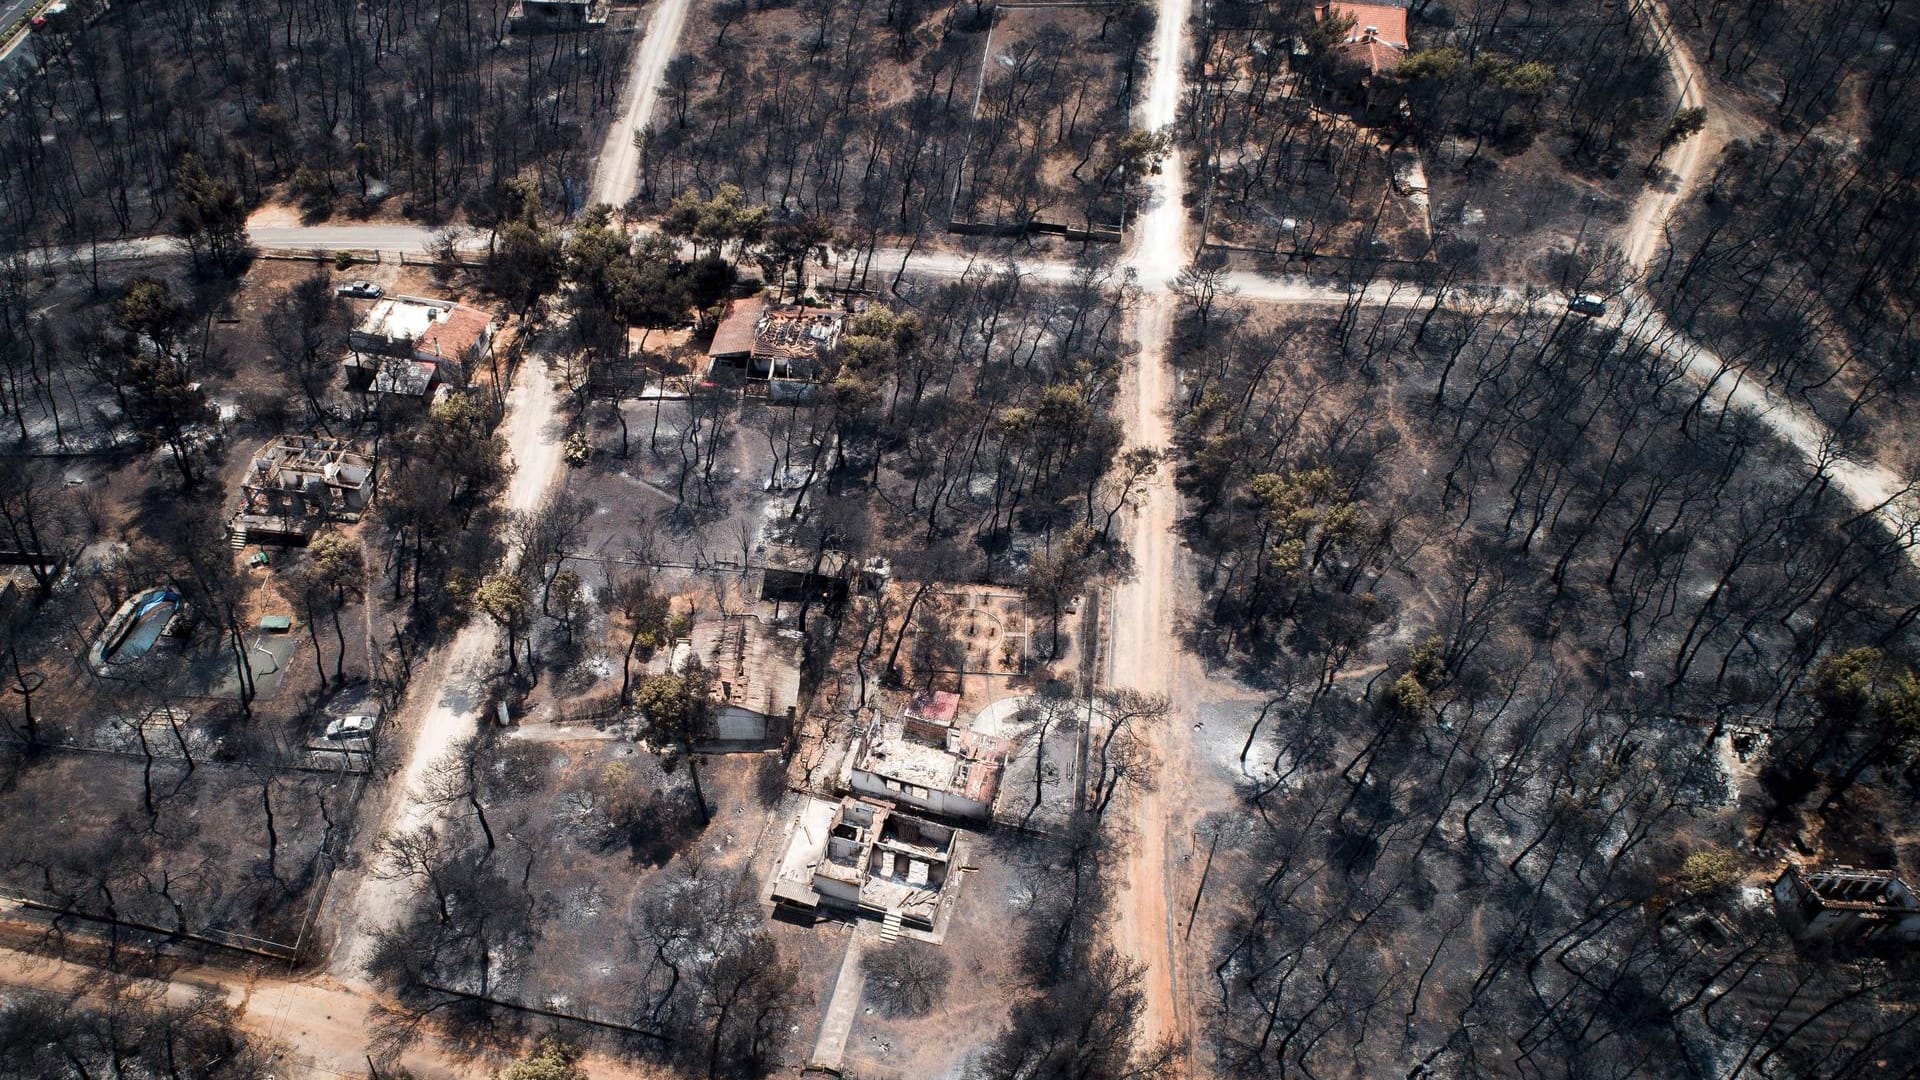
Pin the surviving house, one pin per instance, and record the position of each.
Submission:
(406, 345)
(865, 858)
(296, 482)
(556, 16)
(754, 677)
(783, 348)
(1841, 903)
(1373, 41)
(929, 766)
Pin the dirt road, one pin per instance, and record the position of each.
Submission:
(447, 704)
(617, 172)
(1646, 225)
(1868, 485)
(1143, 638)
(324, 1026)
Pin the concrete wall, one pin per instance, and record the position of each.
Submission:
(735, 724)
(944, 803)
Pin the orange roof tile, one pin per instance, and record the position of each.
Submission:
(455, 334)
(1389, 23)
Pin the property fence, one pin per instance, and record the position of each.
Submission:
(208, 936)
(1098, 234)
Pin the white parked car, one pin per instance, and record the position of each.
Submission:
(356, 726)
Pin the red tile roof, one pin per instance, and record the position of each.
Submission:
(455, 335)
(1377, 39)
(1389, 23)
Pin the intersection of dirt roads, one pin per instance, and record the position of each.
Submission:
(324, 1019)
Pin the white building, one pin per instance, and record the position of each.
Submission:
(1841, 903)
(407, 344)
(866, 858)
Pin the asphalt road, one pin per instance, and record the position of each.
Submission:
(13, 9)
(9, 11)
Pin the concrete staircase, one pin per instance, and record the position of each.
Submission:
(890, 927)
(237, 537)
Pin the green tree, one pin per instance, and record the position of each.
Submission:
(553, 1060)
(148, 309)
(1425, 77)
(598, 254)
(525, 264)
(1436, 65)
(1866, 712)
(338, 568)
(645, 615)
(210, 218)
(160, 398)
(675, 706)
(712, 224)
(1685, 124)
(565, 598)
(1057, 575)
(877, 340)
(1708, 870)
(504, 598)
(790, 245)
(654, 293)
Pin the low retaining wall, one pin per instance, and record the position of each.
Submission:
(981, 228)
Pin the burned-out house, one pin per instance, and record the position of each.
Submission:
(928, 765)
(297, 482)
(1843, 904)
(794, 575)
(781, 350)
(556, 16)
(865, 858)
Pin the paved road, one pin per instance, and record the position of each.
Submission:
(13, 9)
(14, 48)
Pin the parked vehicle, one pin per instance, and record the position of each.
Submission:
(356, 726)
(360, 290)
(1587, 305)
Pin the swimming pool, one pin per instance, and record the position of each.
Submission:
(143, 627)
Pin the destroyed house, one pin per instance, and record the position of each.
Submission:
(1841, 903)
(754, 677)
(555, 16)
(934, 767)
(867, 858)
(296, 482)
(784, 345)
(793, 575)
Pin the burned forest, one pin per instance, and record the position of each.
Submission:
(958, 539)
